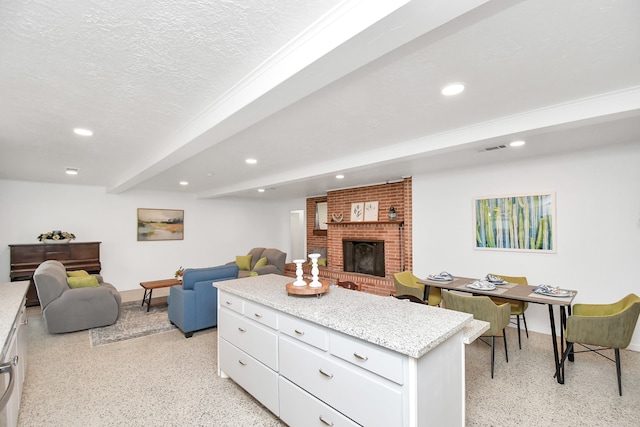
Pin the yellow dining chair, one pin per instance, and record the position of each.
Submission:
(608, 326)
(407, 284)
(483, 308)
(517, 307)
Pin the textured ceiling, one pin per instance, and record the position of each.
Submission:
(177, 91)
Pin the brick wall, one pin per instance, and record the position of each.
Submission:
(396, 234)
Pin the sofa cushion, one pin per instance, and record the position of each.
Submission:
(82, 282)
(261, 262)
(244, 262)
(77, 273)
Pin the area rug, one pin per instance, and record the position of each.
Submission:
(134, 322)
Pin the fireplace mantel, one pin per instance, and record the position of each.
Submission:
(351, 223)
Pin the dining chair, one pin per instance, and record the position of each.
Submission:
(483, 308)
(411, 298)
(517, 307)
(349, 285)
(607, 326)
(406, 283)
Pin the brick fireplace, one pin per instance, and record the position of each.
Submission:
(395, 234)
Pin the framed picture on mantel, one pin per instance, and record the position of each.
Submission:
(160, 224)
(524, 223)
(357, 212)
(371, 211)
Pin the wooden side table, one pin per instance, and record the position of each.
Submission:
(156, 284)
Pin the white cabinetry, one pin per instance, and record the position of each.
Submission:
(312, 375)
(15, 354)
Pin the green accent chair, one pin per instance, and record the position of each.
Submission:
(517, 307)
(608, 326)
(483, 308)
(407, 284)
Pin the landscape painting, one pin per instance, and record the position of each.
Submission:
(516, 223)
(160, 224)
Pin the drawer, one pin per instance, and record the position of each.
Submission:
(231, 302)
(260, 381)
(261, 314)
(371, 357)
(299, 408)
(304, 331)
(340, 384)
(251, 337)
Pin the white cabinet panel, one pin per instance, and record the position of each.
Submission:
(256, 340)
(304, 331)
(373, 358)
(300, 409)
(261, 314)
(339, 384)
(231, 302)
(250, 374)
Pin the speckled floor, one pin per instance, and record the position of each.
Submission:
(167, 380)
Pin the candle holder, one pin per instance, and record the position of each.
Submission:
(315, 283)
(299, 280)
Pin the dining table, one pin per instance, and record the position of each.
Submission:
(526, 293)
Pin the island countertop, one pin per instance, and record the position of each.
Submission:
(399, 325)
(11, 297)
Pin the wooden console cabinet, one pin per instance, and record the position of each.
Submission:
(75, 256)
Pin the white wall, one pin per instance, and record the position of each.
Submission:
(215, 230)
(598, 225)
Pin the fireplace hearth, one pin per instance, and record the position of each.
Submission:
(363, 256)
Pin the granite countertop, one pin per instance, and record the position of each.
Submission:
(398, 325)
(11, 299)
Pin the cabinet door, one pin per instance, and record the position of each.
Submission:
(299, 408)
(339, 384)
(252, 338)
(260, 381)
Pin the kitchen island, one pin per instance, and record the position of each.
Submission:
(13, 363)
(344, 358)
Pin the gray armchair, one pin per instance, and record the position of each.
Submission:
(67, 309)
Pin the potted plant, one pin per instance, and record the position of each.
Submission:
(56, 236)
(179, 273)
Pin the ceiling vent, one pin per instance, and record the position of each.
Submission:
(497, 147)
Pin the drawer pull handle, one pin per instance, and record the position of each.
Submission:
(259, 316)
(242, 363)
(298, 332)
(242, 329)
(325, 422)
(228, 302)
(325, 374)
(359, 357)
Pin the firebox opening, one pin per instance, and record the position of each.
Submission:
(366, 257)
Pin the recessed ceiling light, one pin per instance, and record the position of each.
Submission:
(452, 89)
(184, 183)
(517, 143)
(339, 176)
(83, 132)
(260, 190)
(251, 161)
(71, 171)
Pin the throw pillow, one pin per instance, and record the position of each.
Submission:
(253, 274)
(261, 262)
(77, 273)
(83, 282)
(244, 262)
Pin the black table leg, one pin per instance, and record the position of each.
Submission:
(149, 300)
(554, 338)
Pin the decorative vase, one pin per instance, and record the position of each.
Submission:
(55, 242)
(299, 281)
(315, 283)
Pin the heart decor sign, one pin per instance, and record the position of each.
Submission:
(337, 217)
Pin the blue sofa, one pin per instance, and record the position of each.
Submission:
(194, 305)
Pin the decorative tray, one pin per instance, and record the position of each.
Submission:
(307, 290)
